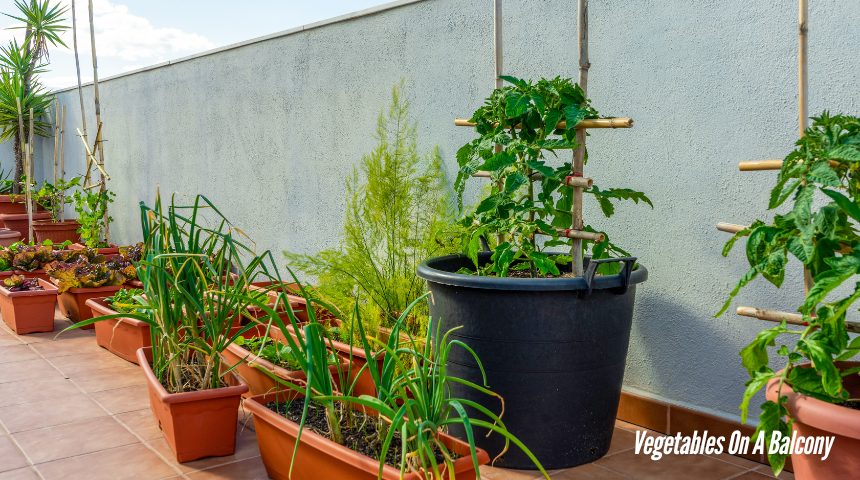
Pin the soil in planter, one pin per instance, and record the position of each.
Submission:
(852, 405)
(269, 353)
(363, 437)
(190, 382)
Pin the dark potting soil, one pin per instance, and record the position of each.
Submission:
(852, 405)
(363, 437)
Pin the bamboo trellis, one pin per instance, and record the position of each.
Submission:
(575, 179)
(757, 165)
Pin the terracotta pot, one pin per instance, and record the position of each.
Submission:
(195, 424)
(57, 232)
(73, 302)
(817, 418)
(106, 251)
(8, 237)
(319, 457)
(38, 273)
(28, 312)
(20, 222)
(8, 205)
(132, 285)
(121, 336)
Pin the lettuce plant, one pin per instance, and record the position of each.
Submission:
(17, 283)
(825, 161)
(522, 118)
(83, 275)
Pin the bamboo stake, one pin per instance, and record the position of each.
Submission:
(56, 138)
(790, 318)
(537, 177)
(730, 227)
(63, 164)
(587, 123)
(78, 66)
(803, 30)
(30, 169)
(499, 57)
(754, 165)
(101, 163)
(24, 148)
(92, 157)
(579, 152)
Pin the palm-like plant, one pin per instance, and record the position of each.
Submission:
(43, 23)
(13, 90)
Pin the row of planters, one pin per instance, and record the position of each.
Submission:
(353, 379)
(36, 278)
(48, 219)
(223, 324)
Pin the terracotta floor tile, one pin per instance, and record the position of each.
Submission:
(86, 362)
(10, 456)
(123, 400)
(35, 390)
(671, 467)
(490, 473)
(634, 428)
(108, 378)
(131, 462)
(743, 462)
(141, 422)
(7, 339)
(621, 440)
(768, 472)
(588, 472)
(20, 474)
(251, 469)
(246, 418)
(246, 447)
(17, 353)
(59, 326)
(27, 370)
(48, 413)
(69, 346)
(89, 436)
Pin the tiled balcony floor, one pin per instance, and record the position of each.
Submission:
(71, 410)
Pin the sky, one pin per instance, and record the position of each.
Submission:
(132, 34)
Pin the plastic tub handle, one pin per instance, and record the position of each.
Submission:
(625, 273)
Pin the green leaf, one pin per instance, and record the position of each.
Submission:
(541, 167)
(803, 251)
(514, 80)
(539, 102)
(808, 382)
(502, 257)
(771, 420)
(498, 161)
(850, 207)
(574, 114)
(552, 118)
(852, 350)
(606, 206)
(821, 355)
(543, 263)
(759, 379)
(514, 181)
(517, 104)
(826, 220)
(754, 356)
(823, 174)
(747, 278)
(846, 153)
(464, 154)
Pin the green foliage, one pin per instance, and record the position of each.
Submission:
(826, 242)
(522, 119)
(6, 183)
(271, 351)
(124, 301)
(398, 214)
(53, 197)
(91, 206)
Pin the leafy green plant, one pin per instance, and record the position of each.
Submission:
(397, 215)
(91, 206)
(17, 283)
(523, 119)
(825, 240)
(124, 301)
(53, 197)
(270, 350)
(6, 183)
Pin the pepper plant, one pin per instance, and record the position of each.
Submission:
(522, 119)
(53, 197)
(92, 206)
(825, 240)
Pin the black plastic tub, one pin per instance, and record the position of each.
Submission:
(554, 349)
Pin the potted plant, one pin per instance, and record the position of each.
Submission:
(518, 302)
(9, 203)
(818, 390)
(122, 336)
(91, 206)
(27, 306)
(412, 410)
(53, 198)
(30, 260)
(81, 281)
(189, 304)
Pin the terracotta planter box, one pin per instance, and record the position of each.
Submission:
(19, 222)
(57, 232)
(28, 312)
(73, 302)
(121, 336)
(320, 458)
(8, 237)
(107, 251)
(133, 284)
(816, 418)
(7, 205)
(195, 424)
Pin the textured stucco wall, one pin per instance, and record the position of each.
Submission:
(269, 130)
